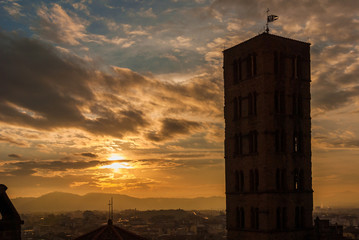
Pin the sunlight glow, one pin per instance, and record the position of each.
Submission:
(118, 165)
(115, 157)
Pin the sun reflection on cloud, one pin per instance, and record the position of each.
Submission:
(117, 165)
(115, 157)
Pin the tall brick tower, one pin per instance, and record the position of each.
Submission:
(268, 139)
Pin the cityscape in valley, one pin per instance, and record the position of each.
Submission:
(185, 120)
(159, 224)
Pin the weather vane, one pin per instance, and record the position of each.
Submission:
(270, 18)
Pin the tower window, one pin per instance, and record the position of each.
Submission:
(240, 217)
(298, 179)
(256, 180)
(281, 179)
(238, 145)
(277, 179)
(297, 142)
(253, 141)
(236, 181)
(297, 105)
(251, 63)
(284, 217)
(276, 63)
(299, 217)
(280, 141)
(239, 69)
(254, 103)
(235, 109)
(254, 218)
(279, 102)
(301, 179)
(297, 67)
(239, 181)
(239, 107)
(250, 104)
(254, 64)
(235, 72)
(253, 180)
(249, 66)
(281, 217)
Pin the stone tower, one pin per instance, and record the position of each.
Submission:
(268, 139)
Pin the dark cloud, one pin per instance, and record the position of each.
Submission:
(171, 127)
(90, 155)
(13, 155)
(30, 167)
(46, 89)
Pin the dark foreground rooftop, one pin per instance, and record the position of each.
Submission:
(110, 232)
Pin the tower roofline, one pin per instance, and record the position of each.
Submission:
(267, 35)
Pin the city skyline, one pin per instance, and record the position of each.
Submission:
(127, 96)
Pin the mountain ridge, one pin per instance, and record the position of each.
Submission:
(62, 201)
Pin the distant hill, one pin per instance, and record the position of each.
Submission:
(59, 201)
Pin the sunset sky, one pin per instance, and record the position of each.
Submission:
(125, 96)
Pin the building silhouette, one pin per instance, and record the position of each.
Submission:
(268, 139)
(10, 222)
(110, 232)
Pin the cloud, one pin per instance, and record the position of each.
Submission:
(13, 8)
(172, 127)
(46, 89)
(61, 26)
(146, 13)
(90, 155)
(55, 24)
(13, 155)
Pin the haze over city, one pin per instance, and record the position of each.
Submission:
(126, 97)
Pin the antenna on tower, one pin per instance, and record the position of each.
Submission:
(110, 211)
(270, 18)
